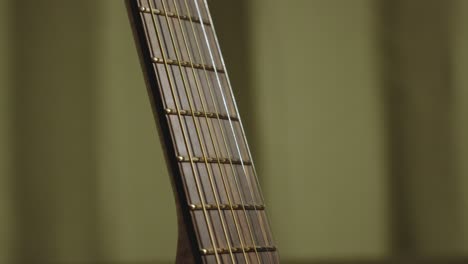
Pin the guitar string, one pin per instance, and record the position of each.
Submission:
(164, 96)
(243, 136)
(241, 124)
(259, 216)
(240, 190)
(230, 121)
(217, 151)
(210, 129)
(186, 140)
(235, 173)
(200, 139)
(171, 128)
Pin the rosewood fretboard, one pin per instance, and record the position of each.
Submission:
(221, 208)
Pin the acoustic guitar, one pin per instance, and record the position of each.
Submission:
(221, 210)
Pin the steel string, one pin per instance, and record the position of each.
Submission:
(230, 121)
(186, 141)
(197, 128)
(210, 128)
(240, 121)
(259, 216)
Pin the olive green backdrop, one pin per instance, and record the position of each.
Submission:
(357, 112)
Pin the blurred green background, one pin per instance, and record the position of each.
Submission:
(357, 112)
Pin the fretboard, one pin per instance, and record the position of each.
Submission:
(213, 173)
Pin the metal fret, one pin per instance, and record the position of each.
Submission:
(170, 111)
(187, 78)
(205, 251)
(195, 207)
(214, 160)
(187, 64)
(172, 14)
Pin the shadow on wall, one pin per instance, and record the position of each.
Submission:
(420, 92)
(54, 131)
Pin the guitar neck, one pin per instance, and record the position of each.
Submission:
(220, 204)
